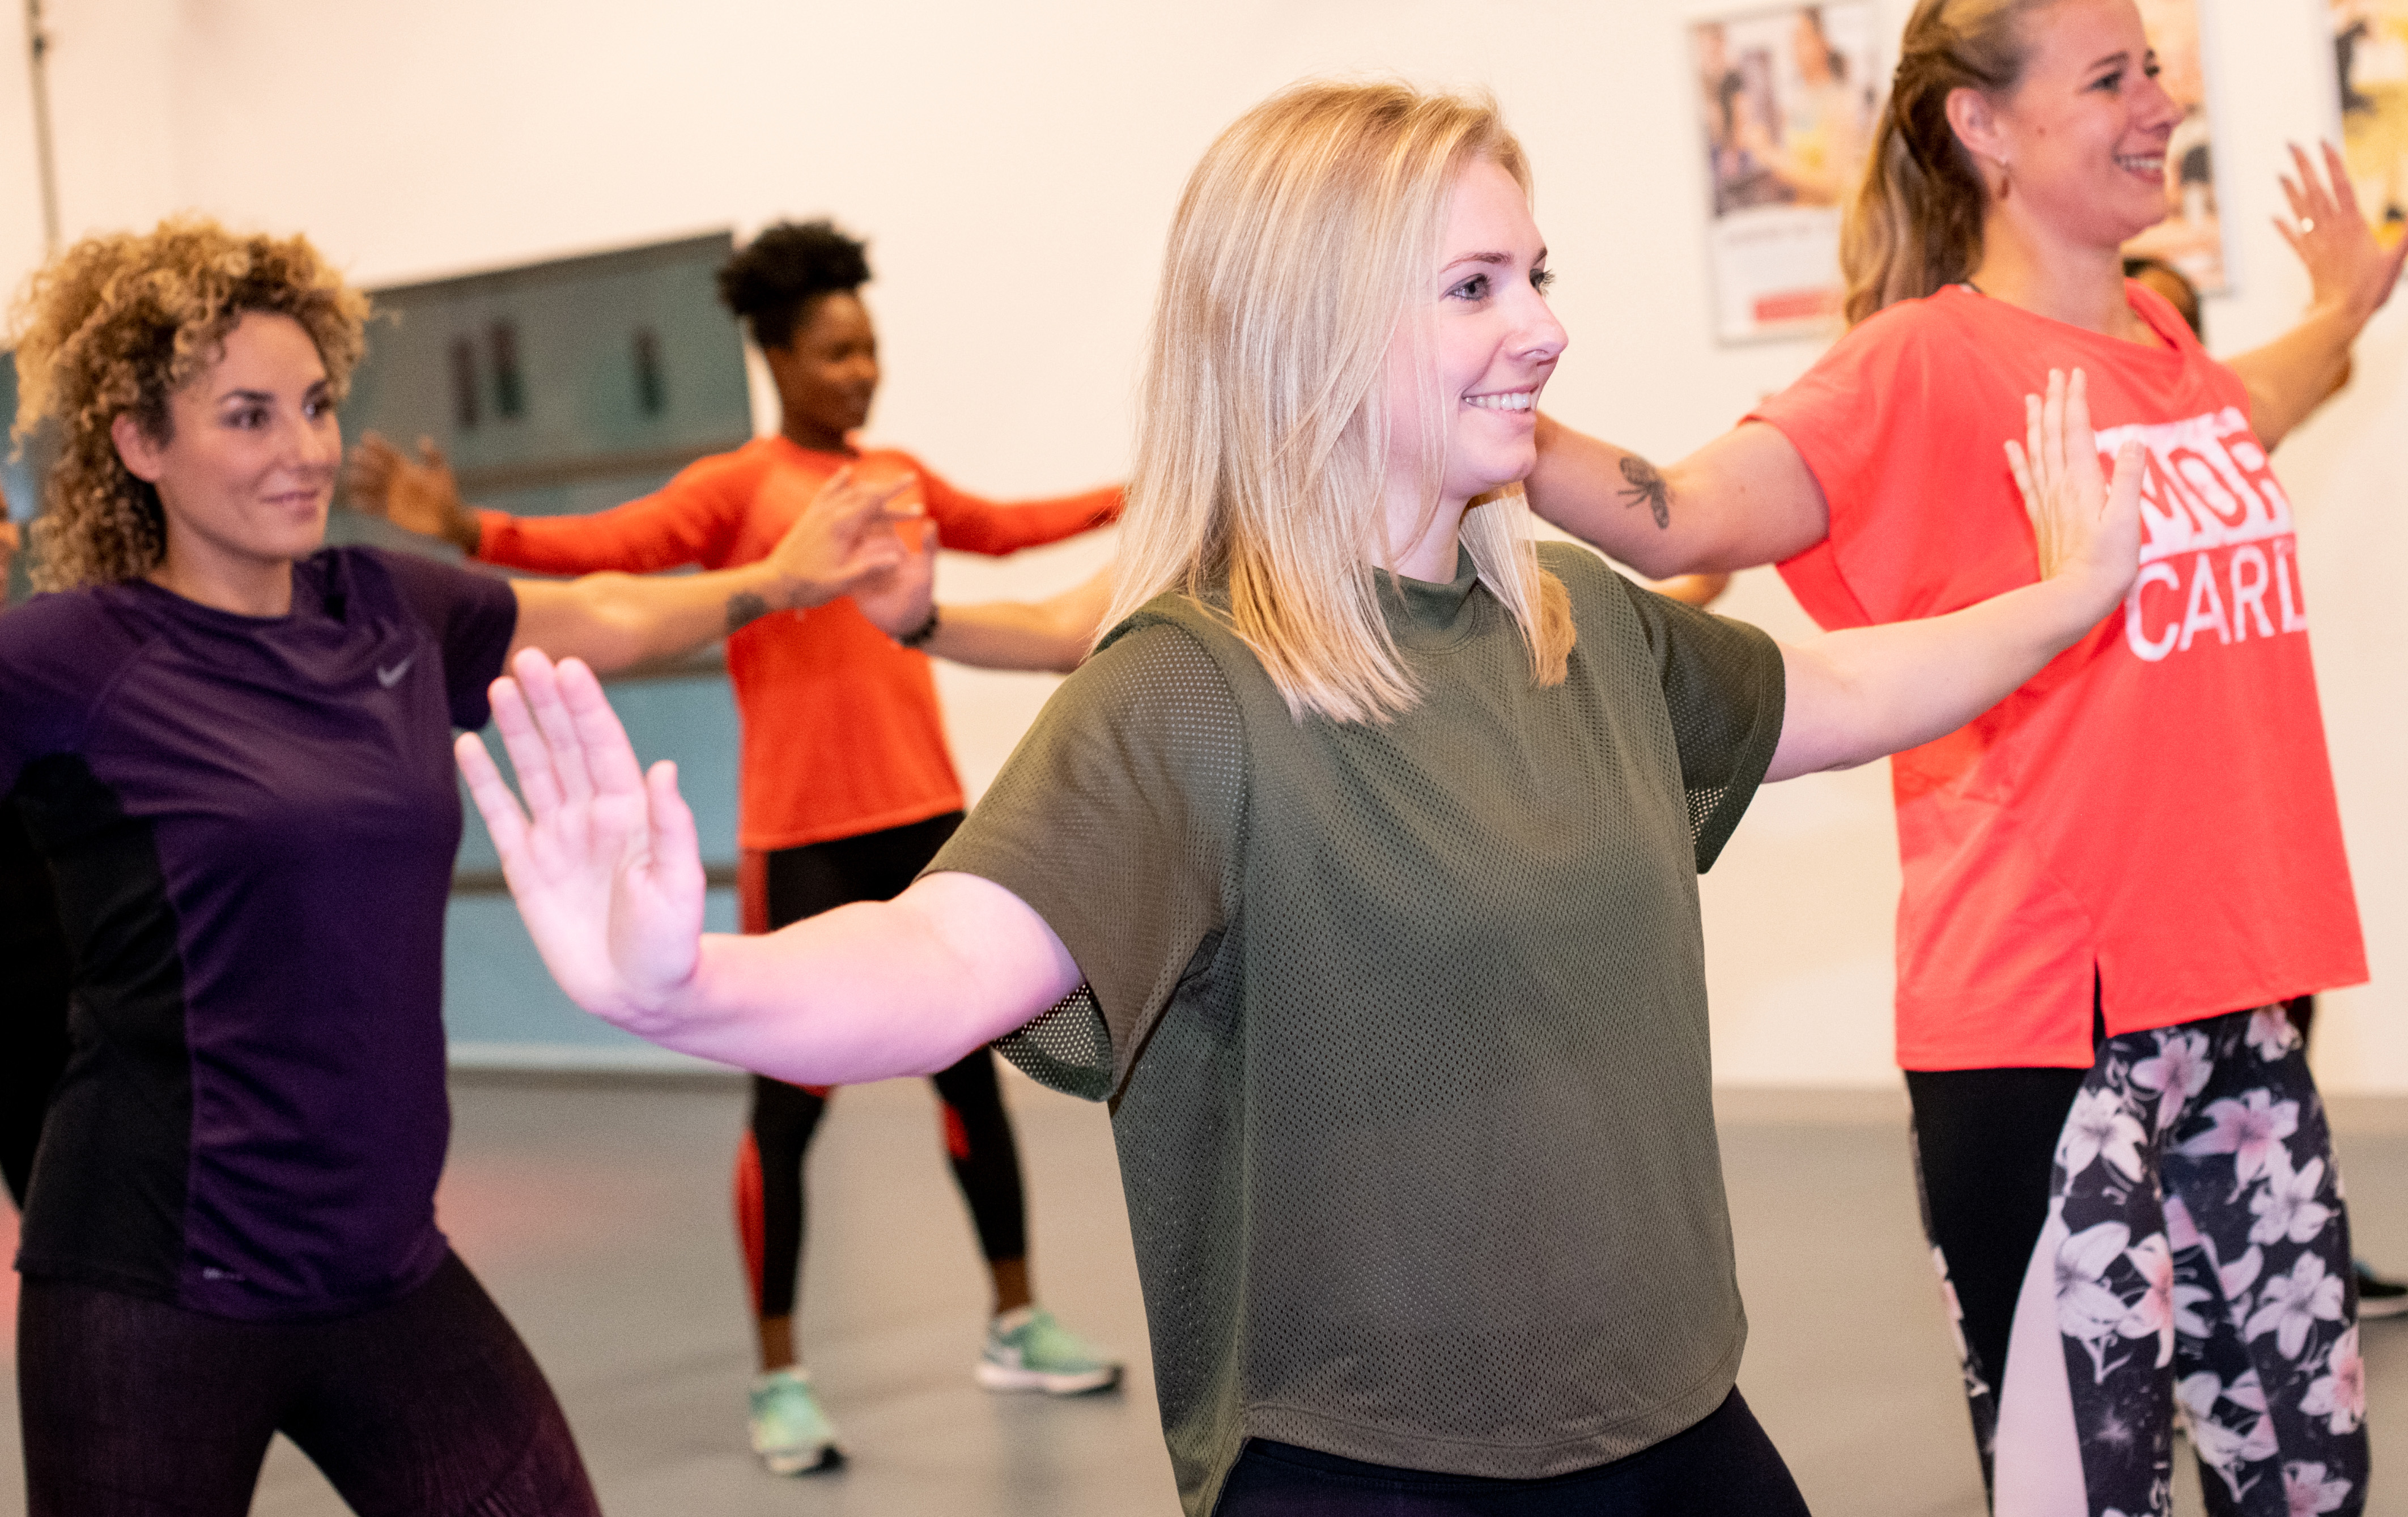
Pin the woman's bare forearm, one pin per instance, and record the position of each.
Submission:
(1052, 634)
(1744, 499)
(612, 621)
(615, 621)
(1859, 694)
(869, 990)
(2288, 377)
(1607, 497)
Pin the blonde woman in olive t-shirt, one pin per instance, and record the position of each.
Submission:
(1358, 867)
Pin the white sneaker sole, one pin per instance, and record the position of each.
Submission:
(2383, 1306)
(997, 1376)
(802, 1461)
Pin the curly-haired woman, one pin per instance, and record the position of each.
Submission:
(228, 745)
(848, 787)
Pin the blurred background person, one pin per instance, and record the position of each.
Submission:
(848, 787)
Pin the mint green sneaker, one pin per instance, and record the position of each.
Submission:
(1029, 1350)
(790, 1432)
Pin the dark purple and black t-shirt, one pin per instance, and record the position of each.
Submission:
(250, 824)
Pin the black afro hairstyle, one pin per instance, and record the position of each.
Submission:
(780, 272)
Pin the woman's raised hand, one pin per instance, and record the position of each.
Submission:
(897, 600)
(2348, 270)
(418, 494)
(1863, 692)
(603, 860)
(2087, 528)
(846, 531)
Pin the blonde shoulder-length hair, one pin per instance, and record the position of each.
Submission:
(1303, 240)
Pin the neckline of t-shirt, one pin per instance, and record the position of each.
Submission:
(188, 609)
(852, 456)
(845, 455)
(2172, 354)
(1432, 613)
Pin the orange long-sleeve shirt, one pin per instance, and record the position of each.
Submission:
(841, 734)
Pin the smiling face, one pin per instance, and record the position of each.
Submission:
(828, 374)
(1492, 344)
(247, 470)
(2083, 135)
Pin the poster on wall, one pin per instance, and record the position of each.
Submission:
(2370, 57)
(2191, 237)
(1787, 99)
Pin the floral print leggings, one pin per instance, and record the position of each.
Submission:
(2192, 1261)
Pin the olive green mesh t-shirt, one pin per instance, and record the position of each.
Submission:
(1404, 1025)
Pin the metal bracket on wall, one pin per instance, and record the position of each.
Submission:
(37, 49)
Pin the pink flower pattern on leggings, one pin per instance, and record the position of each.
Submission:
(2339, 1398)
(2205, 1264)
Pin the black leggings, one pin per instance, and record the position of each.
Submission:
(430, 1407)
(786, 886)
(1984, 1149)
(1723, 1467)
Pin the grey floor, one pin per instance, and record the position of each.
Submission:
(598, 1214)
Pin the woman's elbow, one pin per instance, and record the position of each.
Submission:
(1819, 750)
(1068, 640)
(611, 631)
(1660, 558)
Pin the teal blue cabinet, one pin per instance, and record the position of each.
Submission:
(561, 388)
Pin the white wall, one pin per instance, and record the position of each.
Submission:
(1015, 166)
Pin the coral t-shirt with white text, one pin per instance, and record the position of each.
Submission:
(2156, 805)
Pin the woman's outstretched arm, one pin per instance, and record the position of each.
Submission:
(844, 537)
(1857, 694)
(1744, 499)
(607, 874)
(1052, 635)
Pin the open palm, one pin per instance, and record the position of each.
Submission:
(2085, 525)
(603, 859)
(2347, 266)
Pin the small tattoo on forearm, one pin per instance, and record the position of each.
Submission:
(1647, 484)
(744, 607)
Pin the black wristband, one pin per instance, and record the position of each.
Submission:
(922, 633)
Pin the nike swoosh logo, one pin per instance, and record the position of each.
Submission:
(390, 678)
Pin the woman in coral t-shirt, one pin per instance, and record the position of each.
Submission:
(2115, 877)
(848, 786)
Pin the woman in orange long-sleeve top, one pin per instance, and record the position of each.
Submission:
(848, 787)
